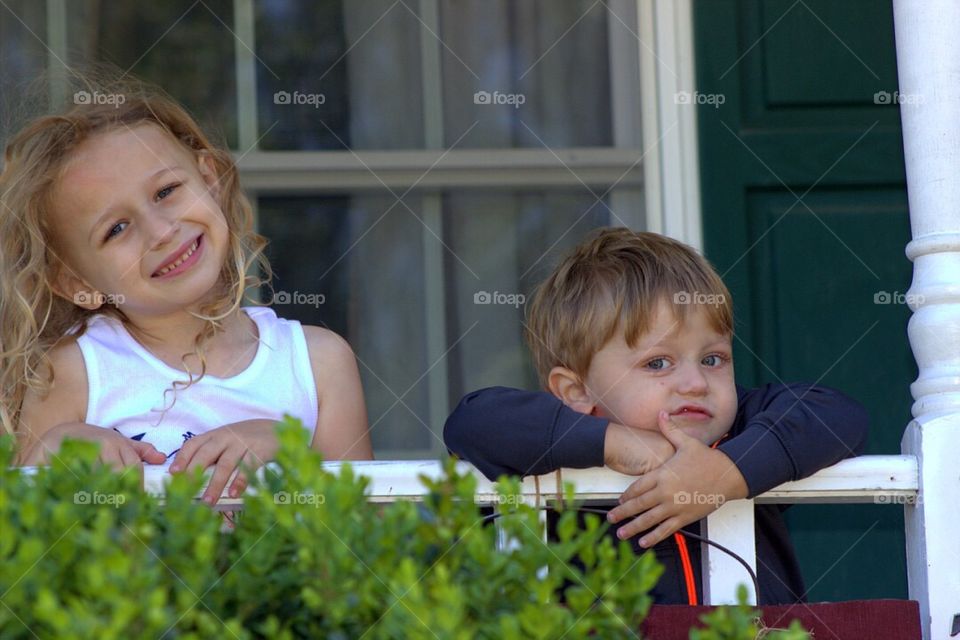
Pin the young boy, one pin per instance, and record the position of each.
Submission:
(632, 334)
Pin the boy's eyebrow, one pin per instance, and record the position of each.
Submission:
(668, 340)
(106, 214)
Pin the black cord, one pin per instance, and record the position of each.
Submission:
(717, 545)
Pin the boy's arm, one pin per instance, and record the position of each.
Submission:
(504, 431)
(781, 433)
(792, 431)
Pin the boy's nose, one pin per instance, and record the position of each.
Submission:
(691, 380)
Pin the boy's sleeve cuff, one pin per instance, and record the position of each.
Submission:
(761, 459)
(577, 440)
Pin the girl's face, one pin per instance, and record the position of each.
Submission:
(136, 219)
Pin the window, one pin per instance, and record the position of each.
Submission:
(417, 165)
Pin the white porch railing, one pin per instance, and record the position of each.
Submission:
(879, 479)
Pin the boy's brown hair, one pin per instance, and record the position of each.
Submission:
(613, 281)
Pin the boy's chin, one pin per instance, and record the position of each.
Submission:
(705, 435)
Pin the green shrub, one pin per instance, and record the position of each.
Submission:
(86, 554)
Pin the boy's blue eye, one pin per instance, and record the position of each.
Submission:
(657, 364)
(115, 229)
(713, 360)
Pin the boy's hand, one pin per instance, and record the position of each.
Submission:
(250, 442)
(634, 451)
(694, 482)
(116, 450)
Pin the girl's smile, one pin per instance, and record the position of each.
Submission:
(180, 261)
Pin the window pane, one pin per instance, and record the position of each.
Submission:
(22, 59)
(365, 259)
(349, 74)
(184, 47)
(511, 241)
(357, 266)
(527, 74)
(338, 75)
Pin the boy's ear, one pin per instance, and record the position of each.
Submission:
(71, 288)
(567, 386)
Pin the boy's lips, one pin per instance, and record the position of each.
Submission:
(692, 411)
(179, 259)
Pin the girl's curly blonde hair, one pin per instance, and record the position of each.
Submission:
(32, 317)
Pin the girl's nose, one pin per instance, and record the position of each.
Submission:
(163, 231)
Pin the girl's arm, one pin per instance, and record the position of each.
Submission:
(342, 431)
(46, 421)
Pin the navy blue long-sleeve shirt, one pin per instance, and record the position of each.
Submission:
(780, 433)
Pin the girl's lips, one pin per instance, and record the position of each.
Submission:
(187, 263)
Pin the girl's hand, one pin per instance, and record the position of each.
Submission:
(116, 449)
(250, 442)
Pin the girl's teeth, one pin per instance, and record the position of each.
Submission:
(179, 261)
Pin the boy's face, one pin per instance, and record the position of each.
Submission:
(685, 368)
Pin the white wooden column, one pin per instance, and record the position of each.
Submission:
(928, 65)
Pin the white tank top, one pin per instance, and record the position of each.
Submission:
(126, 384)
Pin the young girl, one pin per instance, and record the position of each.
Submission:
(125, 243)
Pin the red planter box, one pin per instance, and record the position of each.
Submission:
(853, 620)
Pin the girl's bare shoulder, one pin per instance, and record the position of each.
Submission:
(66, 400)
(328, 350)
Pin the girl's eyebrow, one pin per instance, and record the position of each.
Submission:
(106, 214)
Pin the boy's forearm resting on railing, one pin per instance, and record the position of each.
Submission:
(781, 433)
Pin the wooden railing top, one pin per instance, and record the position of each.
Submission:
(878, 479)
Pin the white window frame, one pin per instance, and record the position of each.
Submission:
(657, 182)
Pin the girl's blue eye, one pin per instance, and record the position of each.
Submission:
(167, 190)
(115, 229)
(657, 364)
